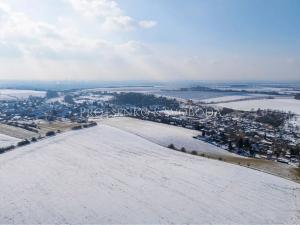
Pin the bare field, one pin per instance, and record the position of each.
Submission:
(44, 127)
(16, 132)
(54, 126)
(267, 166)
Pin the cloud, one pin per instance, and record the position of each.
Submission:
(96, 8)
(8, 51)
(86, 47)
(34, 49)
(21, 31)
(108, 13)
(63, 40)
(118, 23)
(147, 24)
(23, 36)
(134, 47)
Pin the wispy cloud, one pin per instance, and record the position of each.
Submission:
(62, 40)
(97, 39)
(108, 13)
(42, 49)
(147, 23)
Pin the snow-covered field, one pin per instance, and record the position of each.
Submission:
(105, 175)
(59, 99)
(136, 89)
(11, 94)
(193, 95)
(172, 112)
(232, 98)
(165, 135)
(6, 140)
(91, 98)
(283, 104)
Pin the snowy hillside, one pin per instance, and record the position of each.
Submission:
(282, 104)
(164, 135)
(105, 175)
(6, 140)
(11, 94)
(233, 98)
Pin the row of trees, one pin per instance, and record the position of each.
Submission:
(79, 127)
(273, 118)
(144, 100)
(26, 142)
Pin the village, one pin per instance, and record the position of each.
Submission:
(258, 134)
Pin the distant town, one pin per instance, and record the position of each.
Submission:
(266, 134)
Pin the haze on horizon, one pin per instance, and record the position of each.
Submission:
(149, 40)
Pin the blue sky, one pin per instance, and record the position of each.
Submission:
(150, 40)
(225, 24)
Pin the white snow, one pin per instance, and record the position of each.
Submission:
(172, 112)
(282, 104)
(12, 94)
(232, 98)
(105, 175)
(6, 140)
(91, 98)
(165, 135)
(59, 99)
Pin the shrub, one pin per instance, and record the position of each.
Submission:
(220, 158)
(33, 139)
(50, 133)
(171, 146)
(194, 153)
(77, 127)
(6, 149)
(183, 149)
(24, 142)
(92, 124)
